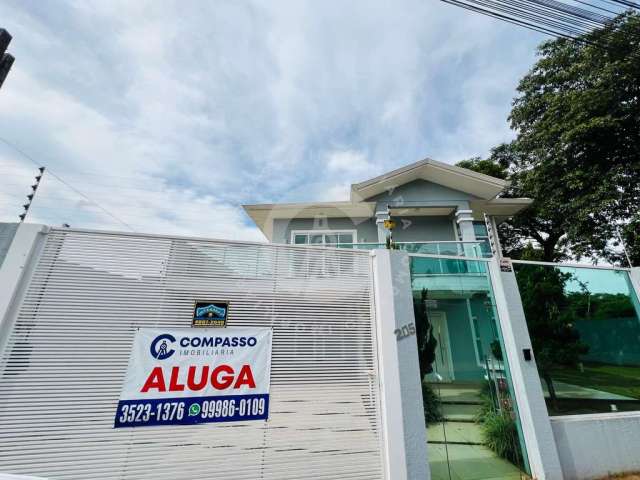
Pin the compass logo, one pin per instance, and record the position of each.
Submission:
(161, 346)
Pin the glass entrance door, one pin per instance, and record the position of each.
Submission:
(473, 428)
(443, 363)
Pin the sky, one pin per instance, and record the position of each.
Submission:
(171, 115)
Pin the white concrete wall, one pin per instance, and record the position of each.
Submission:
(592, 446)
(21, 256)
(7, 231)
(404, 427)
(635, 280)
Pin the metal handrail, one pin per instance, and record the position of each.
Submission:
(571, 265)
(451, 257)
(430, 242)
(446, 241)
(442, 248)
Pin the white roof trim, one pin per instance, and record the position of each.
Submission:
(483, 187)
(457, 178)
(499, 207)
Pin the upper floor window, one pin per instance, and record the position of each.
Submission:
(482, 236)
(480, 229)
(326, 237)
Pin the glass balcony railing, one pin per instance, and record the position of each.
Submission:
(447, 248)
(357, 246)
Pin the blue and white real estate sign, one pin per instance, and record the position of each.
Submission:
(184, 376)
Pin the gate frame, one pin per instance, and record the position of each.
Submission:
(15, 272)
(25, 252)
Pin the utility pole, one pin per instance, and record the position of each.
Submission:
(6, 59)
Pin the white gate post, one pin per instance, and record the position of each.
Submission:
(534, 418)
(13, 270)
(634, 274)
(404, 430)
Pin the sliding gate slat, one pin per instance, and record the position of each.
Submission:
(66, 352)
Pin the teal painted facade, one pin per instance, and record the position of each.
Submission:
(365, 227)
(423, 192)
(410, 228)
(424, 229)
(472, 330)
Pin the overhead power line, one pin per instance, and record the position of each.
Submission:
(67, 184)
(572, 19)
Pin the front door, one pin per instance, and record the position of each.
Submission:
(443, 365)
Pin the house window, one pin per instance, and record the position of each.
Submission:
(329, 237)
(482, 236)
(328, 264)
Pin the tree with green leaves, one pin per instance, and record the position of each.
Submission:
(487, 166)
(577, 150)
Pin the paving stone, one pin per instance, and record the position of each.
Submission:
(456, 432)
(469, 462)
(463, 457)
(454, 393)
(459, 412)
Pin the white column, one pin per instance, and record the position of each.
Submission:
(635, 280)
(13, 271)
(404, 429)
(382, 214)
(534, 419)
(464, 219)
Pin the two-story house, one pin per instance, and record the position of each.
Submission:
(437, 208)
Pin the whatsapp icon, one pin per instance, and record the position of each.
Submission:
(194, 409)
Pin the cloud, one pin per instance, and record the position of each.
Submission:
(171, 115)
(347, 161)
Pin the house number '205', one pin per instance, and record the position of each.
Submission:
(405, 331)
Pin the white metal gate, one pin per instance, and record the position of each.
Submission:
(66, 353)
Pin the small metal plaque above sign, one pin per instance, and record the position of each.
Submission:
(210, 314)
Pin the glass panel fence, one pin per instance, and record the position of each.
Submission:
(455, 249)
(473, 427)
(585, 330)
(358, 246)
